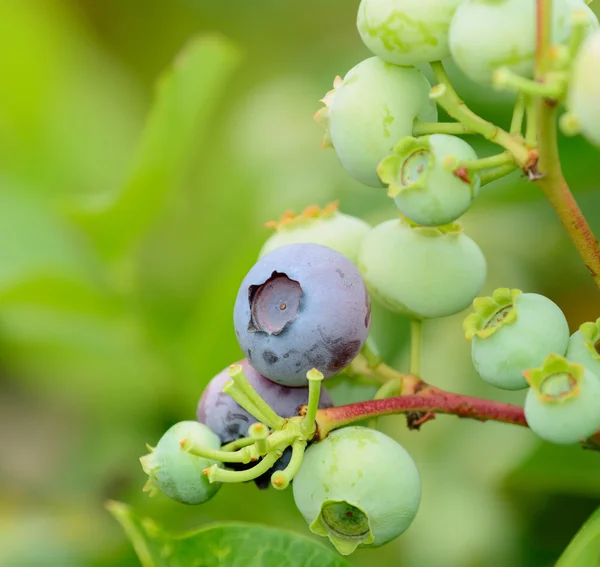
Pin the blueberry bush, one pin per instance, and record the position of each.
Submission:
(298, 384)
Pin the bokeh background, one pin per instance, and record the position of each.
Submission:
(102, 348)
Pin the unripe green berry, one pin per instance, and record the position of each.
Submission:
(584, 347)
(584, 90)
(369, 110)
(419, 271)
(511, 332)
(325, 226)
(178, 473)
(488, 34)
(406, 32)
(422, 177)
(562, 404)
(358, 487)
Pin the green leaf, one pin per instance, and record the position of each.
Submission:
(222, 545)
(584, 549)
(186, 98)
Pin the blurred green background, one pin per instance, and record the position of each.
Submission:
(112, 322)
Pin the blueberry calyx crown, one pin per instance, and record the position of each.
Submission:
(149, 465)
(289, 219)
(453, 228)
(557, 380)
(491, 313)
(274, 304)
(346, 525)
(591, 333)
(322, 116)
(408, 167)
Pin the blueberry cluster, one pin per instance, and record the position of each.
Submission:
(521, 340)
(302, 313)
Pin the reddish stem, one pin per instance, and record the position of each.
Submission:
(429, 400)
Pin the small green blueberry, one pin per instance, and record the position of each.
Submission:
(419, 271)
(584, 347)
(368, 111)
(177, 473)
(488, 34)
(406, 32)
(325, 226)
(511, 332)
(584, 91)
(422, 178)
(357, 487)
(562, 404)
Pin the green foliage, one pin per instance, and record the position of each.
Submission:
(222, 545)
(584, 550)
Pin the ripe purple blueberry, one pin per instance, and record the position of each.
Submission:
(302, 306)
(221, 413)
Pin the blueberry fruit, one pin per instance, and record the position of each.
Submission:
(302, 306)
(511, 332)
(562, 403)
(177, 473)
(368, 111)
(229, 421)
(327, 226)
(358, 487)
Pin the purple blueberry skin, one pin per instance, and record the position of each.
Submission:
(302, 306)
(229, 421)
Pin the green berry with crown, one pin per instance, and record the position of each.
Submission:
(357, 487)
(327, 226)
(512, 331)
(178, 473)
(423, 272)
(584, 347)
(369, 110)
(425, 179)
(562, 403)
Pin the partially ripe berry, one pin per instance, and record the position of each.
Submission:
(406, 32)
(425, 181)
(302, 306)
(419, 271)
(562, 404)
(358, 487)
(368, 111)
(584, 347)
(221, 413)
(584, 90)
(486, 35)
(176, 472)
(325, 226)
(511, 332)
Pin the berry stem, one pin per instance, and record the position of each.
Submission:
(272, 419)
(238, 444)
(314, 393)
(282, 479)
(416, 342)
(543, 41)
(552, 182)
(531, 131)
(231, 389)
(428, 400)
(217, 474)
(496, 173)
(505, 158)
(244, 455)
(452, 128)
(505, 79)
(516, 124)
(447, 97)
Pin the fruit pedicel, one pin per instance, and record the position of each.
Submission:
(303, 311)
